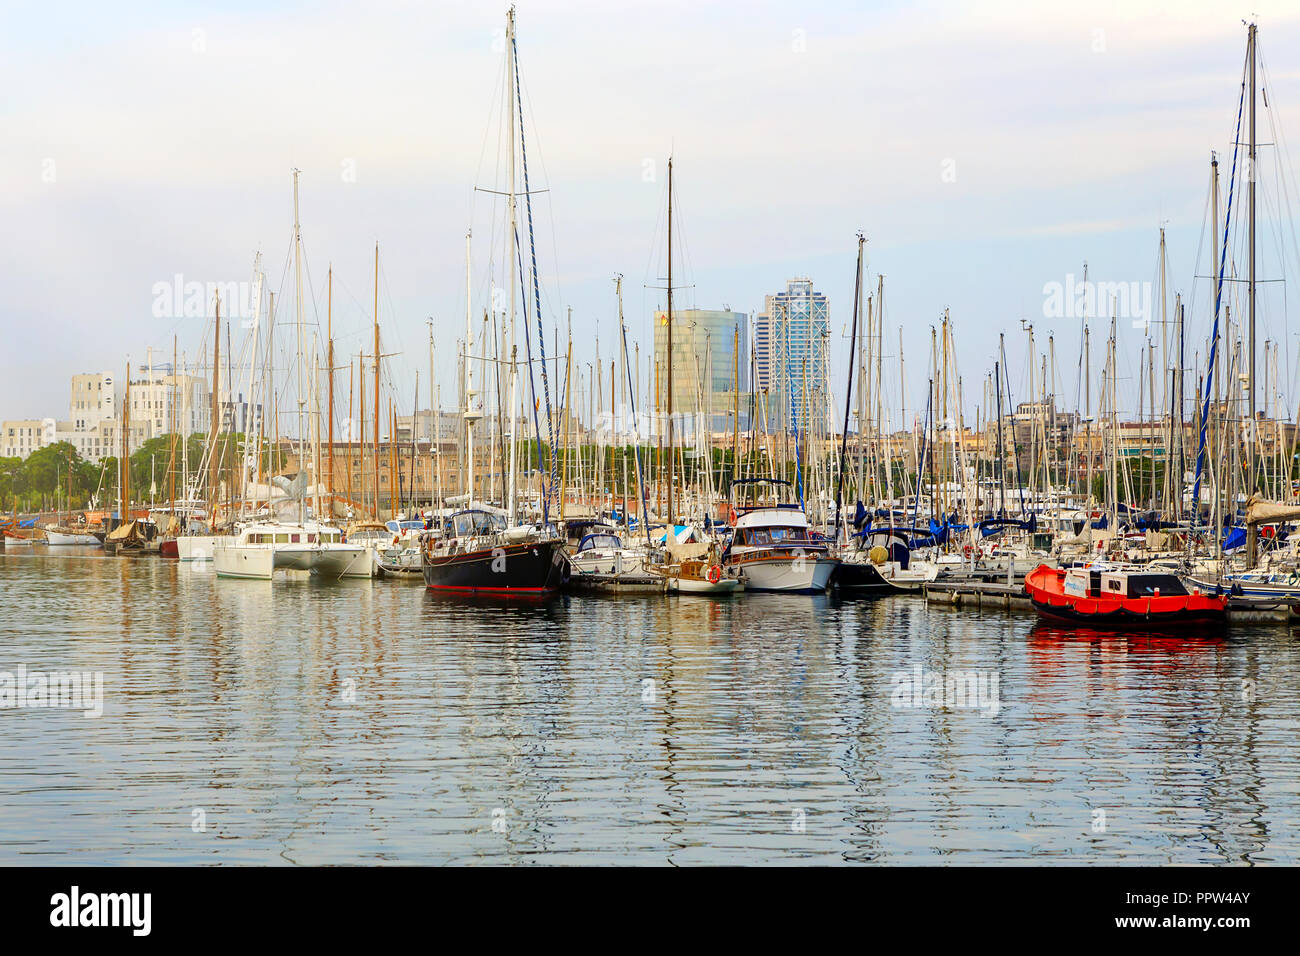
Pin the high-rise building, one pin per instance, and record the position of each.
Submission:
(165, 401)
(790, 340)
(763, 332)
(710, 350)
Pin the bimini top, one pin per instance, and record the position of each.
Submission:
(600, 540)
(778, 516)
(472, 522)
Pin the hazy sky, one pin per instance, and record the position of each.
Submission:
(986, 150)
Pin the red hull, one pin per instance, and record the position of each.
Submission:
(169, 549)
(1046, 587)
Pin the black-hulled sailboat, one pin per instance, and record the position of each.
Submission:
(481, 548)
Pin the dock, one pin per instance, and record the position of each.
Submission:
(978, 594)
(627, 582)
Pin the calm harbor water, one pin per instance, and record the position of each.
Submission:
(304, 722)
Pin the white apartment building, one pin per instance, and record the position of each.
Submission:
(165, 401)
(159, 402)
(93, 400)
(20, 438)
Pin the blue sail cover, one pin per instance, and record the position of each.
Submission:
(1234, 539)
(938, 532)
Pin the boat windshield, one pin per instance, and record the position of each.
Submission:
(773, 536)
(594, 541)
(467, 524)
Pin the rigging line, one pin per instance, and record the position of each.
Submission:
(1283, 150)
(532, 385)
(550, 203)
(1214, 335)
(541, 336)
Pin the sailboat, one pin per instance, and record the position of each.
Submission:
(263, 547)
(476, 549)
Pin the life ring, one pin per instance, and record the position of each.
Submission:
(731, 515)
(715, 574)
(966, 550)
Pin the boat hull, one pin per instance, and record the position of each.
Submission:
(234, 561)
(534, 567)
(695, 586)
(1180, 612)
(790, 574)
(860, 578)
(198, 547)
(65, 539)
(344, 561)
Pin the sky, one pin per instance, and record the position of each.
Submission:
(985, 150)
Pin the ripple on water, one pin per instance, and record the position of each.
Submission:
(319, 723)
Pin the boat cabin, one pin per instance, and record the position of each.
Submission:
(273, 534)
(1095, 582)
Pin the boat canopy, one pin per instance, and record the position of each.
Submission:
(600, 539)
(473, 521)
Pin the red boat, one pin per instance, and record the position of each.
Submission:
(1122, 599)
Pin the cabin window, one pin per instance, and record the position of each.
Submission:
(296, 538)
(282, 538)
(1145, 585)
(311, 539)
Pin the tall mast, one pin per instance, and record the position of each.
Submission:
(302, 389)
(848, 393)
(330, 375)
(124, 469)
(668, 355)
(1087, 412)
(467, 466)
(512, 266)
(171, 462)
(434, 461)
(1250, 289)
(374, 452)
(216, 410)
(361, 423)
(394, 499)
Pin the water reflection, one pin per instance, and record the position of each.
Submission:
(354, 721)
